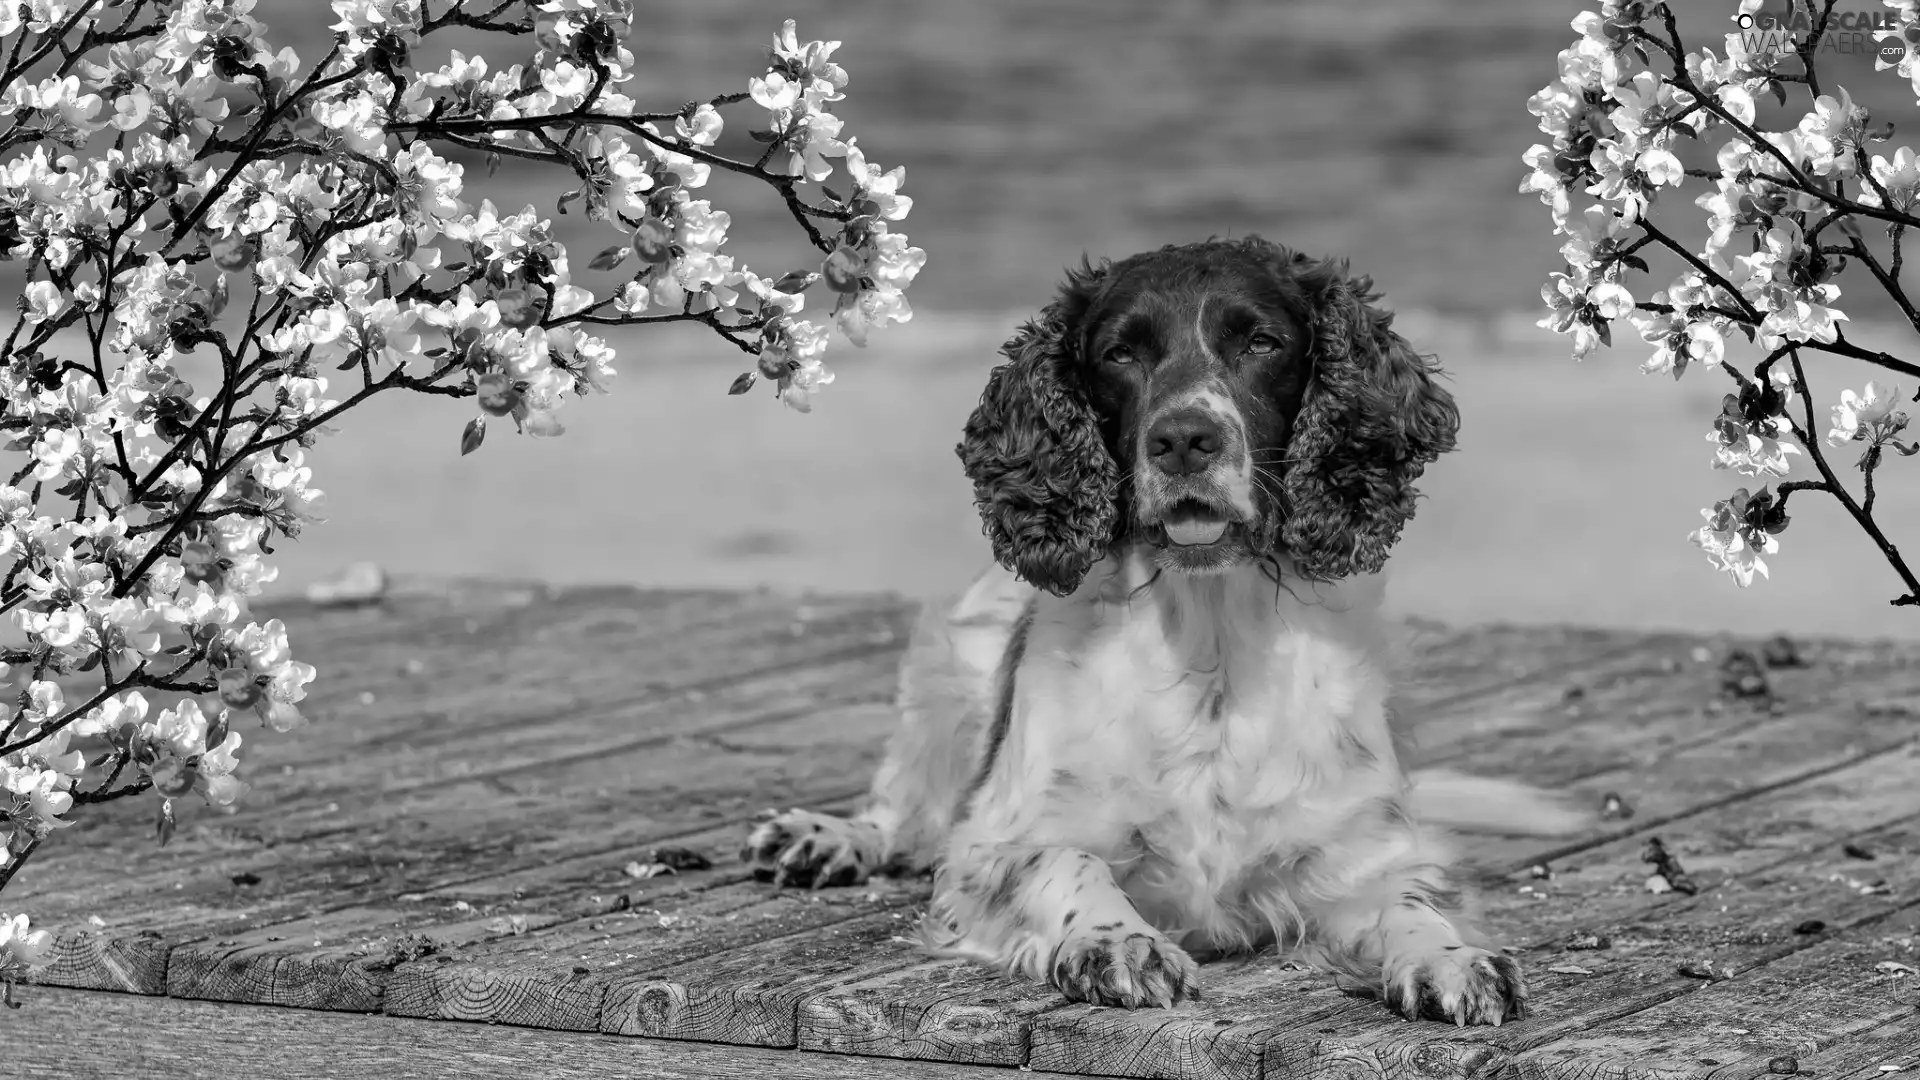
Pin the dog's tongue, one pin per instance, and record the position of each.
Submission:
(1195, 531)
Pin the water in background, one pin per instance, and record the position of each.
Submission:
(1033, 130)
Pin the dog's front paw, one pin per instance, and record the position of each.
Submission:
(1127, 969)
(1462, 984)
(800, 847)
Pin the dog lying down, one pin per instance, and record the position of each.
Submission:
(1160, 728)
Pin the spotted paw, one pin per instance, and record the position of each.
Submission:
(802, 848)
(1462, 985)
(1125, 969)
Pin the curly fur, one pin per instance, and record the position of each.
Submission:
(1043, 481)
(1049, 492)
(1373, 419)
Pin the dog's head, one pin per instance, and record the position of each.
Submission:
(1217, 403)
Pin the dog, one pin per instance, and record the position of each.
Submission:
(1160, 728)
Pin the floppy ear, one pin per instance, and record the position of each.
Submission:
(1042, 479)
(1373, 418)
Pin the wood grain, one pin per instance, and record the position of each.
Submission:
(947, 1010)
(1711, 777)
(750, 996)
(295, 890)
(558, 977)
(449, 840)
(82, 1035)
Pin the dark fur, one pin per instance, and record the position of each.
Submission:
(1002, 709)
(1343, 424)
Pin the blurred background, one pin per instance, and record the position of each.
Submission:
(1035, 130)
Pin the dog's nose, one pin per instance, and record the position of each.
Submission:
(1183, 442)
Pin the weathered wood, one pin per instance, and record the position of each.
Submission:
(558, 977)
(1195, 1042)
(674, 686)
(449, 839)
(83, 1035)
(1888, 1052)
(686, 780)
(948, 1010)
(750, 996)
(1738, 924)
(134, 962)
(1794, 1007)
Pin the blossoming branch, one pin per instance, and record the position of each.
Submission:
(170, 184)
(1805, 201)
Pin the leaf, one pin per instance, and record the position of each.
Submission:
(1686, 129)
(743, 383)
(1779, 91)
(832, 194)
(610, 257)
(219, 296)
(566, 197)
(765, 136)
(1635, 262)
(475, 432)
(493, 163)
(1605, 333)
(163, 827)
(796, 281)
(217, 730)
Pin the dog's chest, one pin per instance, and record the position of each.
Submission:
(1212, 749)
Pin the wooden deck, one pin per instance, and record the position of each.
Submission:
(466, 833)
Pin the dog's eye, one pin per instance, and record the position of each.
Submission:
(1119, 354)
(1263, 344)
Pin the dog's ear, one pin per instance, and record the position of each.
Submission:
(1042, 479)
(1373, 418)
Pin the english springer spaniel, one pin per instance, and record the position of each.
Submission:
(1160, 728)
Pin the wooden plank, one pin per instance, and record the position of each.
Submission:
(1792, 1008)
(322, 868)
(348, 962)
(1888, 1052)
(530, 808)
(1739, 924)
(946, 1010)
(1265, 1013)
(685, 781)
(557, 978)
(472, 698)
(84, 1035)
(132, 962)
(467, 728)
(750, 996)
(1743, 762)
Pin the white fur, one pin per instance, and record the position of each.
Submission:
(1193, 763)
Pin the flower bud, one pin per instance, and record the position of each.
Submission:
(773, 365)
(173, 777)
(238, 688)
(519, 307)
(653, 241)
(496, 394)
(233, 253)
(200, 561)
(842, 270)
